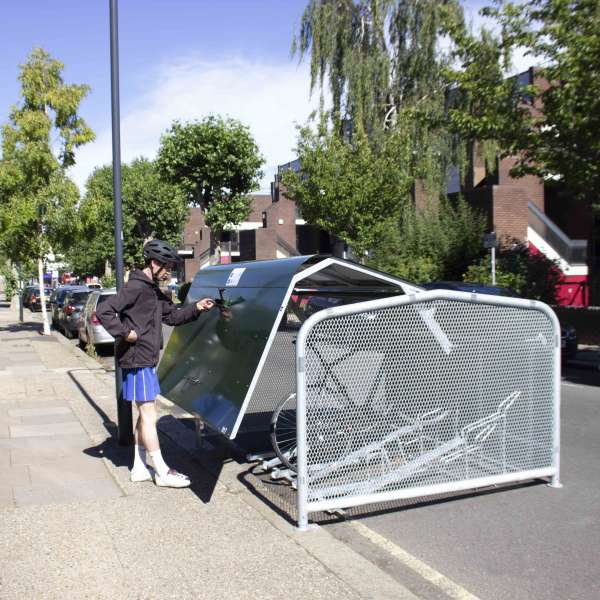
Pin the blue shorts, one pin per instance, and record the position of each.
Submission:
(140, 385)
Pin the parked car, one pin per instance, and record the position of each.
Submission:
(71, 310)
(26, 294)
(34, 298)
(90, 330)
(57, 299)
(568, 335)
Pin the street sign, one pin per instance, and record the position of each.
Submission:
(489, 240)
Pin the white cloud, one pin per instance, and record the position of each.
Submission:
(268, 98)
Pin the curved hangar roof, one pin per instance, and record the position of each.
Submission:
(211, 366)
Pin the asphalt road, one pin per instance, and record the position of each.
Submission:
(525, 542)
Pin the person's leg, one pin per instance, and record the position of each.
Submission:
(149, 435)
(140, 471)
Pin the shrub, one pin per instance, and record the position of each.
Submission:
(437, 243)
(528, 272)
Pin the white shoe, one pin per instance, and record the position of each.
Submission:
(142, 474)
(172, 479)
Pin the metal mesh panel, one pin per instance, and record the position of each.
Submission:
(424, 394)
(277, 379)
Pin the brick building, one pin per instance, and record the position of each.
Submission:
(535, 211)
(527, 209)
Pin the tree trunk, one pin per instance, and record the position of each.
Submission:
(43, 297)
(107, 268)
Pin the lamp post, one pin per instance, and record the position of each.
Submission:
(125, 421)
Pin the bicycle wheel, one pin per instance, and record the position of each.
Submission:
(283, 431)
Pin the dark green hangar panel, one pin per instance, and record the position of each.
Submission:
(238, 361)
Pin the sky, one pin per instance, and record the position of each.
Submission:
(178, 59)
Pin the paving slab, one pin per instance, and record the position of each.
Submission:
(6, 501)
(65, 492)
(14, 475)
(67, 417)
(57, 442)
(50, 429)
(40, 411)
(73, 467)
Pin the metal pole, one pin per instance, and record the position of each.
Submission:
(493, 265)
(20, 286)
(125, 421)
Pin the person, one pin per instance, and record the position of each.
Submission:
(134, 317)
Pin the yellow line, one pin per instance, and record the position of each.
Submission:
(451, 589)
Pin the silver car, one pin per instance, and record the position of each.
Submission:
(90, 329)
(71, 311)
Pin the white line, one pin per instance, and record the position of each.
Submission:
(451, 589)
(577, 385)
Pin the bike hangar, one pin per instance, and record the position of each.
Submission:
(370, 388)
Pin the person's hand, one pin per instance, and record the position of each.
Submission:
(205, 304)
(131, 337)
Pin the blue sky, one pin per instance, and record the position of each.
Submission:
(178, 59)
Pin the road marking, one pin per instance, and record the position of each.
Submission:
(577, 385)
(449, 587)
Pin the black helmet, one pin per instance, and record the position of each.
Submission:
(161, 252)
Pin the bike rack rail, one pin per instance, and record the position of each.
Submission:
(428, 393)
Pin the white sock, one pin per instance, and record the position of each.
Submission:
(139, 458)
(160, 466)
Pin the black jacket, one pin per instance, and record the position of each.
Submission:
(141, 306)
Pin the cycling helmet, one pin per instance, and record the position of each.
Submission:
(161, 252)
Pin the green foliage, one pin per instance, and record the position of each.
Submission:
(384, 65)
(350, 189)
(529, 273)
(108, 281)
(437, 243)
(562, 141)
(11, 283)
(151, 209)
(37, 200)
(216, 163)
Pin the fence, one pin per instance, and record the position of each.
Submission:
(425, 394)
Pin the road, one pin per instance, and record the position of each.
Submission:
(530, 541)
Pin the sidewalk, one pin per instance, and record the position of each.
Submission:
(73, 526)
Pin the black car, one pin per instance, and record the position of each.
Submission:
(568, 335)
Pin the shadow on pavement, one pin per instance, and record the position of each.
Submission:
(25, 326)
(281, 498)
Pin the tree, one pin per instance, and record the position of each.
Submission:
(37, 200)
(350, 189)
(384, 64)
(151, 209)
(216, 163)
(561, 141)
(387, 72)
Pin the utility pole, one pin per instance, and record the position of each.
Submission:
(125, 421)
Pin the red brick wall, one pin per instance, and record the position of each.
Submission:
(196, 235)
(285, 211)
(510, 212)
(533, 186)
